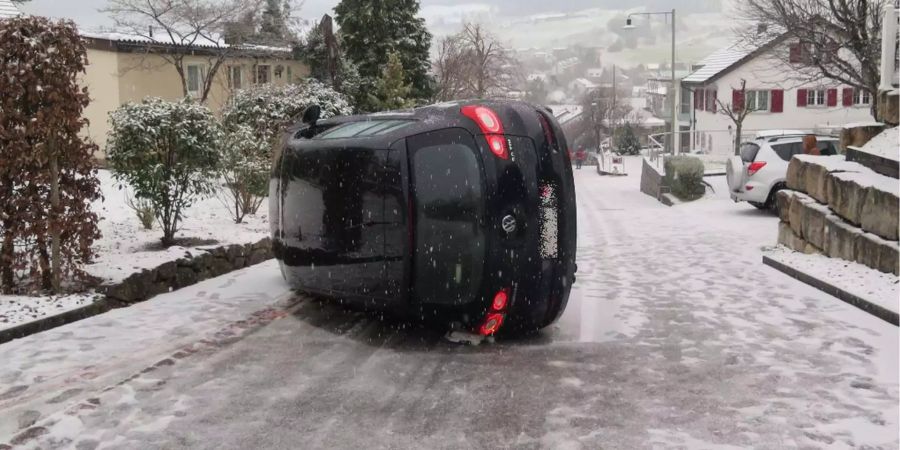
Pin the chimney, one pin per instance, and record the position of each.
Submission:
(761, 28)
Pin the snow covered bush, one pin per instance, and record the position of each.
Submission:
(144, 210)
(627, 142)
(245, 171)
(254, 122)
(684, 174)
(269, 109)
(47, 176)
(168, 153)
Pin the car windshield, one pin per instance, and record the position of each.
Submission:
(448, 213)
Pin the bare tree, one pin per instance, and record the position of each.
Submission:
(838, 40)
(604, 110)
(737, 111)
(160, 24)
(473, 63)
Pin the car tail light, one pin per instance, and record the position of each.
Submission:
(490, 125)
(491, 324)
(755, 166)
(748, 188)
(501, 298)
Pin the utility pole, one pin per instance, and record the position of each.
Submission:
(675, 93)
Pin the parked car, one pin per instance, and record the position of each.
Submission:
(760, 171)
(462, 211)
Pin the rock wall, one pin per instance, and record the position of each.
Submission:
(651, 180)
(842, 210)
(209, 263)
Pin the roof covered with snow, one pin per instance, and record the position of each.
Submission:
(192, 40)
(723, 60)
(8, 9)
(565, 113)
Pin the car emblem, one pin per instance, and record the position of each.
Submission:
(508, 223)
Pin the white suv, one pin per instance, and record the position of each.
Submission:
(760, 171)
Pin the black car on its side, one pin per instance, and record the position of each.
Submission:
(461, 211)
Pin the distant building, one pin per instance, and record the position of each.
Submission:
(774, 89)
(8, 9)
(581, 86)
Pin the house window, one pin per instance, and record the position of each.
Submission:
(196, 75)
(710, 98)
(758, 100)
(815, 97)
(263, 74)
(235, 77)
(861, 97)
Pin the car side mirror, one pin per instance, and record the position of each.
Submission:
(311, 115)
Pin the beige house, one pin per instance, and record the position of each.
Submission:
(121, 69)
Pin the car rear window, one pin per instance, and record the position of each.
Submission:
(788, 150)
(448, 217)
(364, 128)
(749, 151)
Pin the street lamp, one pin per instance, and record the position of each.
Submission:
(629, 26)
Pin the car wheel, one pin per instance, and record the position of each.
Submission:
(759, 205)
(772, 200)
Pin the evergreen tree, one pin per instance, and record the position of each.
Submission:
(391, 89)
(627, 142)
(372, 29)
(273, 24)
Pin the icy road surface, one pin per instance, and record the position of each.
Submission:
(676, 336)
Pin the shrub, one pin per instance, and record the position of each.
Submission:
(269, 109)
(254, 121)
(627, 143)
(144, 210)
(684, 174)
(47, 176)
(168, 152)
(245, 172)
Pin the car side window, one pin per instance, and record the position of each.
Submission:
(826, 148)
(785, 151)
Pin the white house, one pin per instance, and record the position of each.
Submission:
(8, 9)
(780, 97)
(580, 86)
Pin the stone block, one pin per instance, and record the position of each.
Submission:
(812, 223)
(795, 212)
(166, 271)
(840, 238)
(879, 214)
(814, 182)
(783, 201)
(846, 198)
(795, 171)
(219, 266)
(185, 276)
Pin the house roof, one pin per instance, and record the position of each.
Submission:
(8, 9)
(187, 41)
(725, 60)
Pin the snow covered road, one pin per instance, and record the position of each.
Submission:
(676, 336)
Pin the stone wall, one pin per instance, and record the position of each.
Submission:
(652, 181)
(208, 263)
(842, 210)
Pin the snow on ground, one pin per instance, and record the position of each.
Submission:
(884, 145)
(41, 372)
(125, 247)
(16, 309)
(882, 289)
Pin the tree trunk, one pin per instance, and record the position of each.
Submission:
(737, 137)
(55, 244)
(7, 255)
(44, 262)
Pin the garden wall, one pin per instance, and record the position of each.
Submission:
(840, 209)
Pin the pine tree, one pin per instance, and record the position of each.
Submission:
(391, 91)
(372, 29)
(627, 142)
(273, 27)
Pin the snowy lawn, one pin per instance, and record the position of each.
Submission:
(882, 289)
(125, 247)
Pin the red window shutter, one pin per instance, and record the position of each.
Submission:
(698, 99)
(737, 100)
(848, 96)
(777, 100)
(801, 98)
(795, 54)
(832, 97)
(712, 101)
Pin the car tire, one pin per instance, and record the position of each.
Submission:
(759, 205)
(772, 200)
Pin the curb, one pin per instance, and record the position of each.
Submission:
(108, 302)
(859, 302)
(49, 322)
